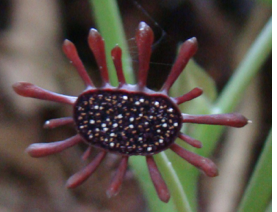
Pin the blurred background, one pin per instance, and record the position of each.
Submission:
(31, 36)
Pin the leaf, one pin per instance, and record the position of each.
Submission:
(266, 2)
(259, 190)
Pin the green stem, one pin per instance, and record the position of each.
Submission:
(266, 2)
(258, 192)
(178, 194)
(109, 23)
(248, 68)
(269, 207)
(138, 163)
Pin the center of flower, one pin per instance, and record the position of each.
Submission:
(128, 123)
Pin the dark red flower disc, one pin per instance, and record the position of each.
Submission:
(128, 123)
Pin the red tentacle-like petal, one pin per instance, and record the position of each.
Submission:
(118, 178)
(44, 149)
(189, 96)
(78, 178)
(53, 123)
(97, 46)
(200, 162)
(87, 153)
(191, 141)
(188, 49)
(229, 119)
(158, 181)
(29, 90)
(144, 39)
(116, 56)
(72, 54)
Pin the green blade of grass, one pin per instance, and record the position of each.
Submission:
(259, 190)
(178, 194)
(138, 163)
(269, 207)
(256, 56)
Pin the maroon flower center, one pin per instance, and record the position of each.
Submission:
(128, 123)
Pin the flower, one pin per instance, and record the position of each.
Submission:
(129, 119)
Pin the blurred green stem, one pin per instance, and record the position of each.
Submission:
(269, 207)
(266, 2)
(248, 68)
(178, 194)
(258, 192)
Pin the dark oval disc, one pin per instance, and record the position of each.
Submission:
(127, 123)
